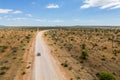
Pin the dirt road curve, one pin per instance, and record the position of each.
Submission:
(45, 67)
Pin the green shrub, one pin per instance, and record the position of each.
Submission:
(23, 73)
(84, 54)
(105, 76)
(4, 68)
(103, 59)
(3, 47)
(81, 61)
(28, 67)
(64, 64)
(2, 73)
(78, 78)
(83, 46)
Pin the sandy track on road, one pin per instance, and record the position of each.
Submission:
(45, 66)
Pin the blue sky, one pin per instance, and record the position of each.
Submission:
(59, 12)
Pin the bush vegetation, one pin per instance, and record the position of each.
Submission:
(105, 76)
(84, 54)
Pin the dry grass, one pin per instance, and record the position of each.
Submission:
(13, 45)
(102, 47)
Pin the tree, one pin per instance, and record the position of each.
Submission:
(106, 76)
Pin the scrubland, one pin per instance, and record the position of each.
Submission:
(16, 53)
(82, 53)
(86, 53)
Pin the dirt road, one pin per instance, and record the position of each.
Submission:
(45, 67)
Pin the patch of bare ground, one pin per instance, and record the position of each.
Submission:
(83, 53)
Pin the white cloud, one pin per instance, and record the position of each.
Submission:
(17, 12)
(14, 19)
(18, 19)
(29, 15)
(41, 20)
(5, 11)
(10, 11)
(56, 21)
(52, 6)
(116, 7)
(76, 20)
(102, 4)
(45, 20)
